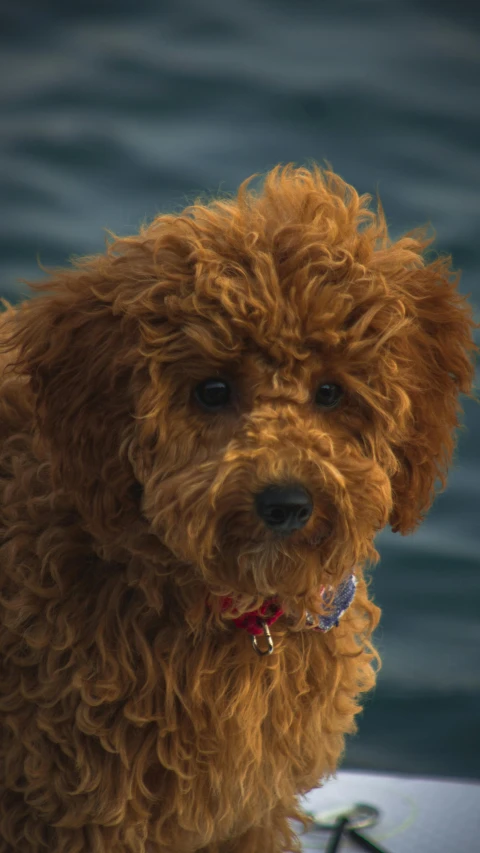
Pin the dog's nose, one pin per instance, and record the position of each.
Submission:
(284, 508)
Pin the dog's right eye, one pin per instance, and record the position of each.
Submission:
(213, 394)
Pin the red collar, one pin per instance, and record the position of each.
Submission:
(254, 622)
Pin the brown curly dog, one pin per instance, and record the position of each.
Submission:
(203, 429)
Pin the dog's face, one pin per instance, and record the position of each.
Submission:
(280, 378)
(268, 469)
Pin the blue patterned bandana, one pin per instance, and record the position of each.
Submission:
(339, 600)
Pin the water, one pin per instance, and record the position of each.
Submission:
(115, 111)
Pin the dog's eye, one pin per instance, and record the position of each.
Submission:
(213, 394)
(328, 395)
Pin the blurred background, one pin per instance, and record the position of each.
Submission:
(115, 110)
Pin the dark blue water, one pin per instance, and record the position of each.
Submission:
(114, 111)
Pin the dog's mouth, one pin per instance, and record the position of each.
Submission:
(275, 561)
(313, 539)
(277, 547)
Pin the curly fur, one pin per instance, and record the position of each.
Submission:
(134, 716)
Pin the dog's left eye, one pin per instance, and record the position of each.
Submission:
(328, 395)
(213, 394)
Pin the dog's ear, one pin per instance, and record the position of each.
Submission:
(435, 353)
(77, 352)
